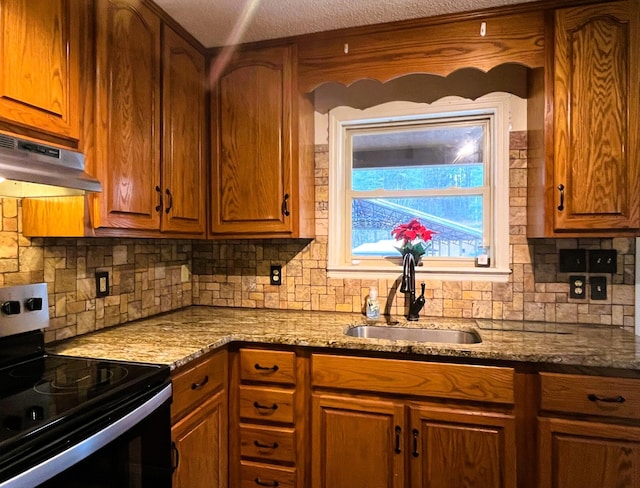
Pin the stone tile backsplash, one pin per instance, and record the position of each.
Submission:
(150, 276)
(236, 273)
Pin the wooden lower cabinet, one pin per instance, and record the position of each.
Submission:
(268, 417)
(586, 454)
(382, 443)
(199, 415)
(200, 446)
(588, 431)
(389, 423)
(357, 442)
(455, 447)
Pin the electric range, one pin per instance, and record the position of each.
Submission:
(62, 417)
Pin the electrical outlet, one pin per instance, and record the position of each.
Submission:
(577, 287)
(603, 261)
(598, 287)
(275, 277)
(102, 283)
(573, 260)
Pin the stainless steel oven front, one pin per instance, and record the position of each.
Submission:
(76, 422)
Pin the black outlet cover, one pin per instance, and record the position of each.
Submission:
(275, 275)
(603, 261)
(577, 286)
(573, 260)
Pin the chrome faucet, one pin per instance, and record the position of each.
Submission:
(408, 285)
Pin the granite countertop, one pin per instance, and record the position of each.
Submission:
(184, 335)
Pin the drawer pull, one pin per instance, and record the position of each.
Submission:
(266, 483)
(273, 368)
(398, 432)
(259, 406)
(197, 386)
(415, 452)
(615, 399)
(260, 445)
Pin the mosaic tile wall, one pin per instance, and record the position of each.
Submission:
(146, 275)
(149, 276)
(236, 273)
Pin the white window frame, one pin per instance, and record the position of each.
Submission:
(342, 118)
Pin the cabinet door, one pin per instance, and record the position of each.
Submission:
(200, 446)
(39, 61)
(357, 443)
(183, 171)
(452, 447)
(596, 113)
(575, 454)
(128, 115)
(252, 161)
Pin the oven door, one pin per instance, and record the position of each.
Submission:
(130, 451)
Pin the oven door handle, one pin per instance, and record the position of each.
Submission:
(58, 463)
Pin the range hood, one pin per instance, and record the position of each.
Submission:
(31, 169)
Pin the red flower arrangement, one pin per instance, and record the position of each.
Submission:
(414, 237)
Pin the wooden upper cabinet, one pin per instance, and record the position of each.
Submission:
(39, 69)
(128, 121)
(183, 167)
(596, 109)
(590, 181)
(262, 179)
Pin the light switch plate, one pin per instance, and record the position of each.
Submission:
(598, 287)
(102, 284)
(573, 260)
(603, 261)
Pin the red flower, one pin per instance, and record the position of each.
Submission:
(411, 231)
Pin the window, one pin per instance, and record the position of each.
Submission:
(444, 163)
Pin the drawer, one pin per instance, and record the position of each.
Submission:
(590, 395)
(455, 381)
(268, 366)
(268, 443)
(256, 475)
(263, 403)
(197, 383)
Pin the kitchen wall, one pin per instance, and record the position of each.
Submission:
(236, 273)
(150, 276)
(147, 275)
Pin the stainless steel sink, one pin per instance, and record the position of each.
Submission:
(449, 336)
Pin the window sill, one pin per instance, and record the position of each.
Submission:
(497, 275)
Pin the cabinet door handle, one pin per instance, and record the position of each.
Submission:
(170, 200)
(266, 483)
(273, 368)
(597, 398)
(398, 432)
(561, 188)
(259, 406)
(415, 452)
(197, 386)
(260, 445)
(159, 206)
(176, 457)
(285, 205)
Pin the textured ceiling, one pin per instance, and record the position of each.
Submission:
(222, 22)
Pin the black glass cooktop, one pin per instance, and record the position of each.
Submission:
(40, 393)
